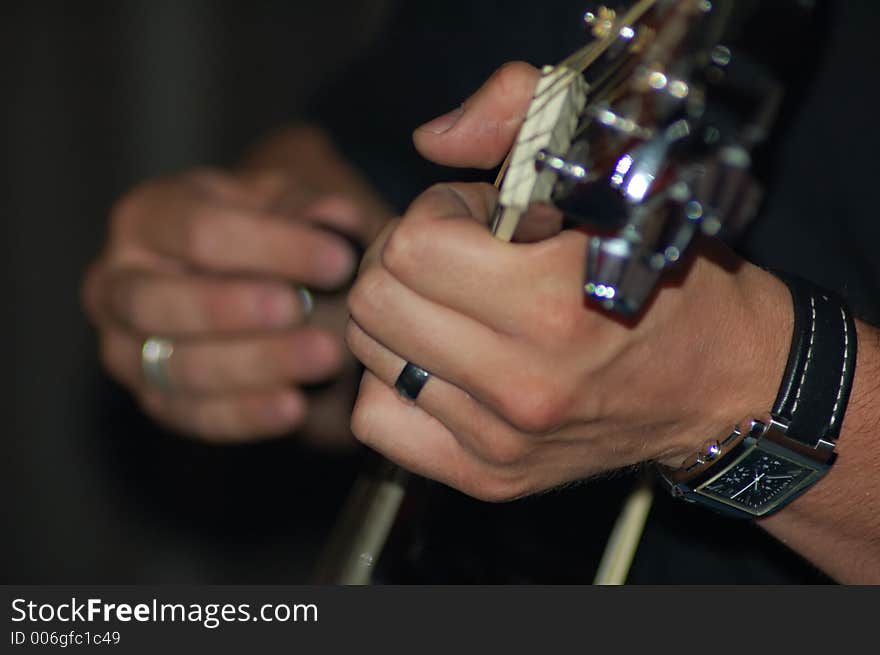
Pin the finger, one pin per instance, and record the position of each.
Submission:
(474, 201)
(293, 198)
(439, 202)
(230, 240)
(290, 196)
(447, 344)
(460, 265)
(480, 133)
(176, 305)
(496, 461)
(217, 367)
(410, 437)
(230, 418)
(336, 212)
(178, 222)
(476, 428)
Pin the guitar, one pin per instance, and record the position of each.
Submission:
(644, 137)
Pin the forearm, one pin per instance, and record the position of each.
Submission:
(836, 524)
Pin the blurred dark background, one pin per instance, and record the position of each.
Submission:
(95, 97)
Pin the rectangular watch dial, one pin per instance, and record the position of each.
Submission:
(758, 481)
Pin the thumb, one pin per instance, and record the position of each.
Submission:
(481, 132)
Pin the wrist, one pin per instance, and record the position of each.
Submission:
(741, 356)
(778, 455)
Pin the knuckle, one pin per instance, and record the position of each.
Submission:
(504, 450)
(269, 183)
(434, 204)
(200, 236)
(561, 321)
(535, 406)
(566, 324)
(366, 296)
(208, 177)
(404, 248)
(128, 208)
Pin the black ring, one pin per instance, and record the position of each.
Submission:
(411, 380)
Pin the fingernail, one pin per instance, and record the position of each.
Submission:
(444, 123)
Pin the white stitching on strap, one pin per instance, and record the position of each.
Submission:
(809, 352)
(834, 416)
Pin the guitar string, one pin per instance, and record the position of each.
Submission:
(581, 58)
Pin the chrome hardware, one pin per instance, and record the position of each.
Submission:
(619, 123)
(657, 80)
(615, 278)
(565, 168)
(775, 429)
(709, 452)
(660, 152)
(627, 33)
(601, 22)
(721, 55)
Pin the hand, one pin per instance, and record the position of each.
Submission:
(530, 387)
(211, 261)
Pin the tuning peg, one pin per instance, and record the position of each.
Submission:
(615, 278)
(601, 22)
(721, 55)
(650, 79)
(610, 119)
(570, 169)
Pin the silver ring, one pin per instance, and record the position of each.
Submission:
(155, 354)
(411, 381)
(307, 300)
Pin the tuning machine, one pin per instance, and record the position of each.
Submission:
(644, 137)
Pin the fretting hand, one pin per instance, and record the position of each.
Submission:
(529, 387)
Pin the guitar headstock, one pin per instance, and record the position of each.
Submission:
(645, 136)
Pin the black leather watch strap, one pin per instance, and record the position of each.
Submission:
(818, 378)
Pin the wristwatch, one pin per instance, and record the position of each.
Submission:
(765, 462)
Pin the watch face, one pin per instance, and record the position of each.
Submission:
(757, 482)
